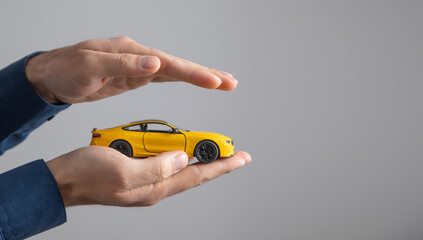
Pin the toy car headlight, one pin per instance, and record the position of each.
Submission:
(228, 141)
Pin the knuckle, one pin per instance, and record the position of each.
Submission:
(168, 63)
(123, 59)
(88, 44)
(83, 60)
(197, 182)
(123, 39)
(197, 178)
(161, 170)
(83, 56)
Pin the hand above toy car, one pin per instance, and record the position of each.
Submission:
(96, 69)
(102, 175)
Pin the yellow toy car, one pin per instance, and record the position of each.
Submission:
(151, 137)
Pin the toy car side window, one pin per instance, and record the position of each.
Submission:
(135, 128)
(157, 127)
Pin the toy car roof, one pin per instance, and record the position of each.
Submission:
(147, 120)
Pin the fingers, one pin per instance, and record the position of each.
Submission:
(199, 173)
(166, 180)
(171, 68)
(190, 73)
(123, 64)
(159, 168)
(193, 73)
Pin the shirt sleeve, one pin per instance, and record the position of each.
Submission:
(30, 201)
(22, 109)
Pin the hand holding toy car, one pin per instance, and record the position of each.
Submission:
(102, 175)
(96, 69)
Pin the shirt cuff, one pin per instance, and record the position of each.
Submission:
(22, 108)
(30, 201)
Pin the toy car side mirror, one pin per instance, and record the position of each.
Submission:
(175, 130)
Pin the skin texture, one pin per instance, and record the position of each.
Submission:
(102, 175)
(97, 69)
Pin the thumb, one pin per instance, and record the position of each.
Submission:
(125, 64)
(162, 166)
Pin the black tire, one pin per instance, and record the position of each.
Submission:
(206, 151)
(122, 146)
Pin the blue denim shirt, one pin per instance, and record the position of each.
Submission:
(30, 201)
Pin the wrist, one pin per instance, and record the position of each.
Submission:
(63, 182)
(34, 72)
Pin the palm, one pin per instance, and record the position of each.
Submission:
(102, 175)
(107, 88)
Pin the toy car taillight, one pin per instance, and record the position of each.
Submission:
(96, 135)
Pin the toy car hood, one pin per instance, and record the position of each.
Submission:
(200, 133)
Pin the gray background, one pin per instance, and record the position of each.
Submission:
(329, 104)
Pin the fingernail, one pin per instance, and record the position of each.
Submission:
(248, 159)
(226, 73)
(149, 62)
(180, 160)
(230, 76)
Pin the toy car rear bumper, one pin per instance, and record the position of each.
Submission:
(99, 142)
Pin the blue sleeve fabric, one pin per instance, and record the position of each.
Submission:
(30, 201)
(21, 108)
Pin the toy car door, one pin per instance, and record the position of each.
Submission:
(159, 138)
